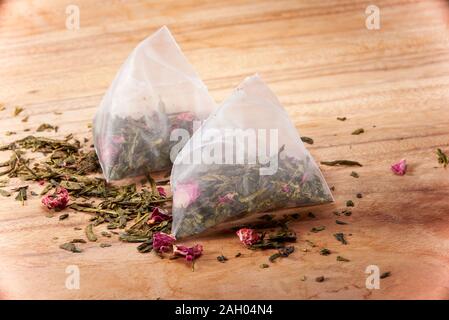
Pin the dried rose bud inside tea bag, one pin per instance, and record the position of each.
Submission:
(247, 157)
(155, 92)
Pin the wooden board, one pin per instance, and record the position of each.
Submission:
(323, 63)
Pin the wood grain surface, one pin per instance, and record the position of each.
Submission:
(323, 63)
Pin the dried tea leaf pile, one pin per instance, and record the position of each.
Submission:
(70, 166)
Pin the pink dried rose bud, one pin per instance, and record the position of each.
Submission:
(157, 216)
(399, 168)
(185, 194)
(163, 242)
(227, 198)
(162, 192)
(248, 236)
(285, 188)
(58, 200)
(189, 254)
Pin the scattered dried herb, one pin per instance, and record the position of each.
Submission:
(222, 259)
(90, 233)
(349, 203)
(46, 127)
(283, 252)
(358, 131)
(264, 266)
(359, 195)
(385, 275)
(70, 247)
(341, 118)
(307, 140)
(354, 174)
(341, 163)
(340, 237)
(442, 158)
(318, 229)
(325, 252)
(105, 245)
(25, 119)
(21, 194)
(78, 241)
(311, 215)
(63, 216)
(239, 254)
(319, 279)
(340, 222)
(17, 111)
(342, 259)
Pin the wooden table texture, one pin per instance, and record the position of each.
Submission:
(323, 63)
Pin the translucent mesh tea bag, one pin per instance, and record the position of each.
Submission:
(155, 91)
(247, 157)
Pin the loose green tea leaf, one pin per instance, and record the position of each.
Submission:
(340, 258)
(317, 229)
(341, 118)
(63, 216)
(146, 246)
(105, 245)
(90, 233)
(222, 259)
(70, 247)
(354, 174)
(319, 279)
(45, 127)
(340, 222)
(283, 252)
(264, 266)
(340, 237)
(341, 163)
(325, 252)
(349, 203)
(385, 275)
(21, 194)
(17, 111)
(442, 158)
(358, 131)
(78, 241)
(307, 140)
(359, 195)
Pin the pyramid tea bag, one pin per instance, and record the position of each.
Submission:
(155, 92)
(247, 157)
